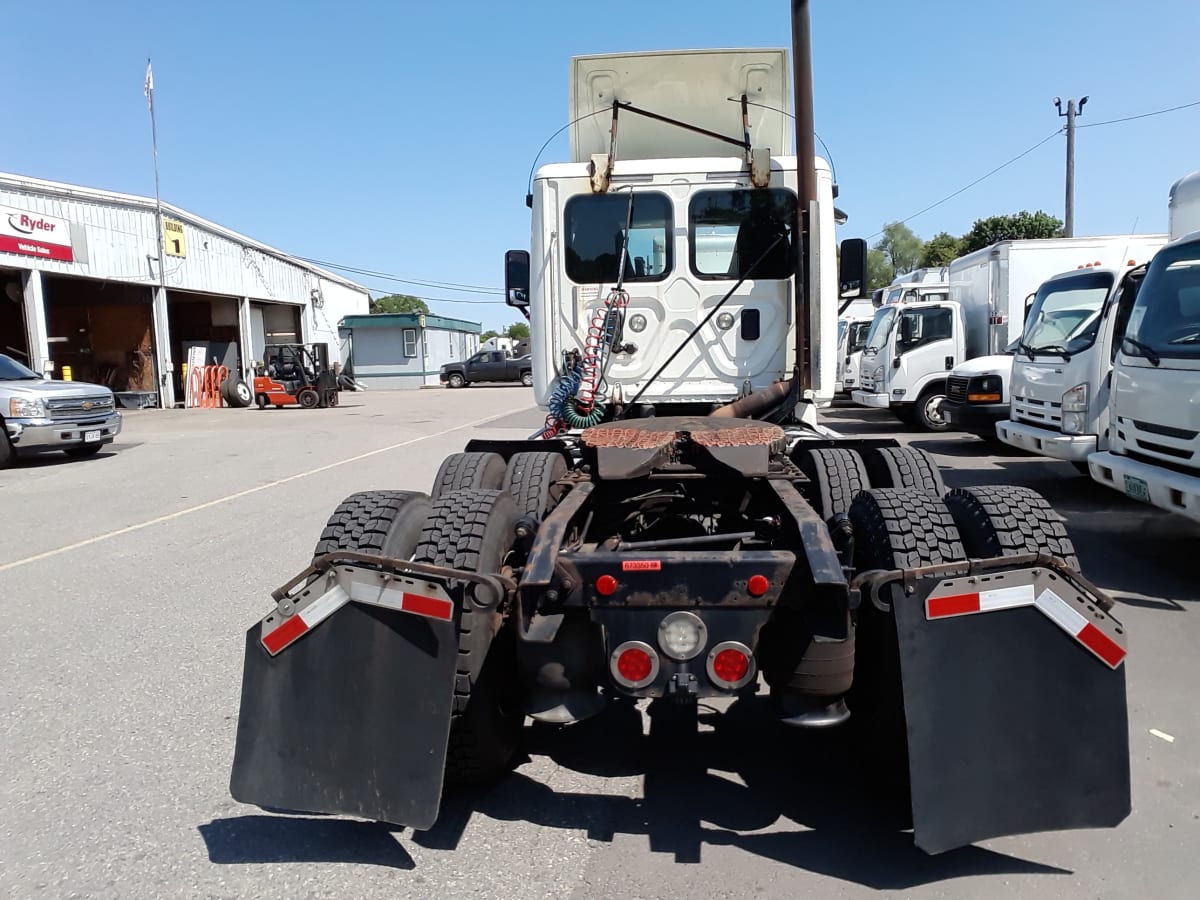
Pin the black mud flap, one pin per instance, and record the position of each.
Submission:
(1017, 719)
(352, 718)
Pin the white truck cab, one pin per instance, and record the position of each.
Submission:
(1153, 450)
(1060, 372)
(853, 325)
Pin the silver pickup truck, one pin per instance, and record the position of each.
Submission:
(39, 415)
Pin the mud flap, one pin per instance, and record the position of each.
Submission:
(1015, 723)
(352, 718)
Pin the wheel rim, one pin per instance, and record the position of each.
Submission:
(456, 381)
(933, 411)
(243, 392)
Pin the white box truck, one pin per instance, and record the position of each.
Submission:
(910, 356)
(1153, 452)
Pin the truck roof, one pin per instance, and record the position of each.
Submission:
(734, 166)
(700, 87)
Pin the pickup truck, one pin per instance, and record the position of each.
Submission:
(488, 365)
(40, 415)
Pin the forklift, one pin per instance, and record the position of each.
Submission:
(295, 374)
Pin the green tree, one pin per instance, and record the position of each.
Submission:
(941, 250)
(1018, 226)
(488, 335)
(399, 303)
(518, 331)
(879, 270)
(901, 247)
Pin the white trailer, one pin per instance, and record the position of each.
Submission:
(911, 354)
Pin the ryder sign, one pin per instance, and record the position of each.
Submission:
(33, 234)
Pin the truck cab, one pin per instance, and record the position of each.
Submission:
(853, 326)
(1061, 371)
(913, 342)
(1153, 450)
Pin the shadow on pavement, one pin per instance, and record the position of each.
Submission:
(707, 788)
(243, 840)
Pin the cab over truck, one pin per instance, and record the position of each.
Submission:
(487, 365)
(1153, 406)
(681, 527)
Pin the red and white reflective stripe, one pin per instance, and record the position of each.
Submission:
(980, 601)
(298, 624)
(432, 607)
(1054, 607)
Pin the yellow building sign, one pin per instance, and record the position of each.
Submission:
(173, 239)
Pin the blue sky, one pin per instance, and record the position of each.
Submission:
(397, 137)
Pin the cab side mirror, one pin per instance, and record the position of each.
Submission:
(852, 269)
(516, 278)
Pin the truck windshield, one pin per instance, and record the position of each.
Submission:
(858, 336)
(881, 328)
(1166, 315)
(595, 232)
(1065, 315)
(11, 370)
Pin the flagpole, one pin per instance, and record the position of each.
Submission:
(157, 196)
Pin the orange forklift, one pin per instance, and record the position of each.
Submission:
(295, 375)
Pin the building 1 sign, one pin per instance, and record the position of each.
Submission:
(33, 234)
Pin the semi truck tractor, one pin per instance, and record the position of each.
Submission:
(1153, 405)
(910, 355)
(682, 528)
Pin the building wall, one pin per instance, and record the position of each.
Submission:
(381, 360)
(114, 238)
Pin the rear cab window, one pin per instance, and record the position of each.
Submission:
(729, 230)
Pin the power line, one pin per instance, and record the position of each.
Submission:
(1157, 112)
(984, 177)
(388, 276)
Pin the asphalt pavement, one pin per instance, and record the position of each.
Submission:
(128, 580)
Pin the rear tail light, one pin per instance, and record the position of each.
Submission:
(730, 665)
(682, 635)
(634, 664)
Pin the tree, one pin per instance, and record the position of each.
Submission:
(941, 250)
(518, 331)
(879, 271)
(1019, 226)
(901, 247)
(487, 336)
(399, 303)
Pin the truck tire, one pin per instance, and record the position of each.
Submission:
(893, 528)
(904, 467)
(530, 477)
(236, 392)
(463, 471)
(928, 416)
(473, 530)
(387, 523)
(837, 477)
(455, 380)
(1007, 521)
(527, 378)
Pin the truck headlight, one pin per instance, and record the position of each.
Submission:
(24, 408)
(1075, 400)
(877, 375)
(1072, 423)
(985, 389)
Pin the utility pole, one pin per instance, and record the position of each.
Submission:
(1071, 114)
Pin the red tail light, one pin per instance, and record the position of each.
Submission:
(730, 665)
(634, 664)
(606, 585)
(758, 585)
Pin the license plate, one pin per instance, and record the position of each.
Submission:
(1137, 488)
(90, 437)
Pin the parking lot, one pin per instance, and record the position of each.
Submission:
(128, 581)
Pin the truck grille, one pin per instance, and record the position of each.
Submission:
(78, 408)
(956, 388)
(1037, 412)
(1160, 442)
